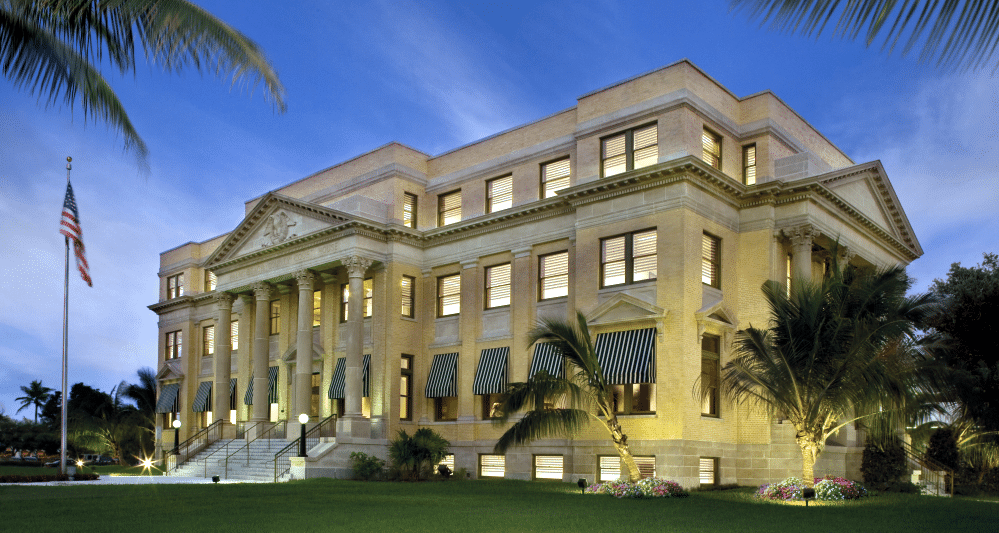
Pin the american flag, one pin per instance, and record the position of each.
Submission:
(70, 227)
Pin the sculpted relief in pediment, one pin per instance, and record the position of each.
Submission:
(277, 228)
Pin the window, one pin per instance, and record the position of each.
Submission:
(787, 274)
(554, 177)
(646, 466)
(448, 208)
(712, 145)
(498, 286)
(708, 470)
(499, 194)
(408, 286)
(634, 398)
(609, 467)
(211, 281)
(275, 317)
(174, 344)
(317, 307)
(446, 408)
(448, 461)
(314, 398)
(628, 258)
(548, 467)
(406, 388)
(553, 274)
(409, 210)
(749, 164)
(492, 465)
(491, 405)
(710, 374)
(449, 295)
(234, 334)
(175, 286)
(208, 341)
(369, 290)
(635, 148)
(710, 260)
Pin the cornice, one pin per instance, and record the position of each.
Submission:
(172, 304)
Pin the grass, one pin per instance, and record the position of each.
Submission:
(115, 470)
(467, 506)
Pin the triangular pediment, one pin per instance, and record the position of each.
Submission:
(291, 354)
(171, 370)
(624, 308)
(714, 311)
(860, 193)
(276, 221)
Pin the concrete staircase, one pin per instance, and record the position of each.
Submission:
(253, 464)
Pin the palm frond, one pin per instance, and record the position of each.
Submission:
(542, 423)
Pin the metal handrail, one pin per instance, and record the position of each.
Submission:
(241, 429)
(199, 441)
(931, 469)
(324, 429)
(269, 434)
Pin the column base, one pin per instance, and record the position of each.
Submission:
(353, 426)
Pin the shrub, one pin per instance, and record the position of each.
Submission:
(42, 478)
(883, 463)
(416, 457)
(943, 448)
(826, 489)
(646, 488)
(366, 467)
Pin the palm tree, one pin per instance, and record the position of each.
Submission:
(34, 394)
(835, 352)
(958, 34)
(564, 405)
(143, 394)
(53, 48)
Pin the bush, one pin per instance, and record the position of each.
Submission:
(649, 487)
(826, 489)
(943, 448)
(417, 457)
(883, 464)
(43, 478)
(903, 487)
(366, 467)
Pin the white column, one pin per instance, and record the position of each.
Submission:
(261, 351)
(353, 423)
(801, 249)
(223, 356)
(303, 345)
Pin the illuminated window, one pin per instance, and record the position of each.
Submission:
(635, 148)
(409, 210)
(211, 281)
(491, 404)
(787, 274)
(498, 286)
(175, 286)
(492, 465)
(448, 461)
(553, 274)
(628, 258)
(317, 307)
(406, 388)
(708, 470)
(234, 334)
(275, 317)
(208, 341)
(646, 466)
(408, 287)
(609, 467)
(710, 374)
(446, 408)
(174, 344)
(448, 208)
(369, 291)
(710, 260)
(634, 398)
(449, 295)
(749, 164)
(712, 148)
(554, 177)
(548, 467)
(499, 194)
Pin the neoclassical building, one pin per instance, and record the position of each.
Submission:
(394, 290)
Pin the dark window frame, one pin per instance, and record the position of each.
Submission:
(406, 370)
(488, 400)
(442, 213)
(408, 199)
(543, 192)
(745, 163)
(411, 296)
(714, 261)
(711, 361)
(211, 281)
(629, 258)
(489, 193)
(718, 139)
(208, 345)
(175, 286)
(439, 404)
(629, 147)
(440, 296)
(488, 288)
(367, 302)
(627, 398)
(174, 349)
(275, 317)
(542, 278)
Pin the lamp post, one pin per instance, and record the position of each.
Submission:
(303, 419)
(176, 437)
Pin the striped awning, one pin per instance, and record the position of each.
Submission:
(168, 398)
(547, 357)
(272, 396)
(338, 384)
(442, 381)
(627, 356)
(490, 377)
(232, 394)
(203, 399)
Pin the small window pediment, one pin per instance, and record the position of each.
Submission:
(624, 308)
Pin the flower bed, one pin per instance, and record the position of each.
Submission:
(826, 489)
(650, 487)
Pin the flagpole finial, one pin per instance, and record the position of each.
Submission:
(69, 163)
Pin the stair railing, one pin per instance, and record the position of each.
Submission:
(241, 429)
(192, 446)
(274, 431)
(937, 476)
(324, 429)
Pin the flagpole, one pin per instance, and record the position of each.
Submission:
(65, 344)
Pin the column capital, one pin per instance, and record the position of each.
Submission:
(223, 300)
(262, 290)
(800, 235)
(305, 279)
(846, 254)
(356, 265)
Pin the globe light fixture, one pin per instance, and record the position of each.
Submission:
(176, 437)
(303, 419)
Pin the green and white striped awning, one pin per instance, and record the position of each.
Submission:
(203, 399)
(627, 356)
(272, 395)
(338, 384)
(232, 394)
(441, 383)
(168, 398)
(490, 377)
(548, 358)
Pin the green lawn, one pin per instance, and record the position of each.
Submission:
(466, 506)
(102, 470)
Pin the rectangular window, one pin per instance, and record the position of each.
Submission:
(449, 295)
(628, 258)
(708, 470)
(498, 286)
(448, 208)
(554, 177)
(211, 281)
(710, 374)
(174, 344)
(315, 398)
(499, 194)
(234, 334)
(553, 274)
(446, 408)
(317, 307)
(609, 467)
(408, 286)
(491, 404)
(548, 467)
(492, 465)
(448, 461)
(749, 164)
(710, 260)
(635, 148)
(787, 274)
(208, 341)
(712, 148)
(406, 388)
(175, 286)
(369, 290)
(646, 466)
(275, 317)
(409, 210)
(634, 398)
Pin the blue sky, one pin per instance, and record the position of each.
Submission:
(434, 76)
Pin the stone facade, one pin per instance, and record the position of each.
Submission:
(348, 226)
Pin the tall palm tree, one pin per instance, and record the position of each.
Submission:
(143, 394)
(54, 48)
(34, 394)
(835, 352)
(960, 34)
(558, 406)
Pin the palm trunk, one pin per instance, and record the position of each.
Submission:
(809, 454)
(621, 445)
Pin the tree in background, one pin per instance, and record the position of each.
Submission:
(143, 394)
(34, 395)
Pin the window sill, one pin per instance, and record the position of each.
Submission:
(637, 415)
(712, 417)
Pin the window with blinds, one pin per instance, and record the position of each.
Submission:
(712, 144)
(275, 317)
(628, 258)
(492, 465)
(499, 194)
(449, 295)
(317, 307)
(367, 303)
(408, 288)
(710, 260)
(708, 471)
(635, 148)
(553, 271)
(548, 467)
(609, 467)
(498, 286)
(409, 210)
(208, 341)
(710, 374)
(448, 208)
(174, 344)
(175, 286)
(211, 281)
(787, 274)
(646, 466)
(554, 177)
(406, 388)
(234, 334)
(749, 164)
